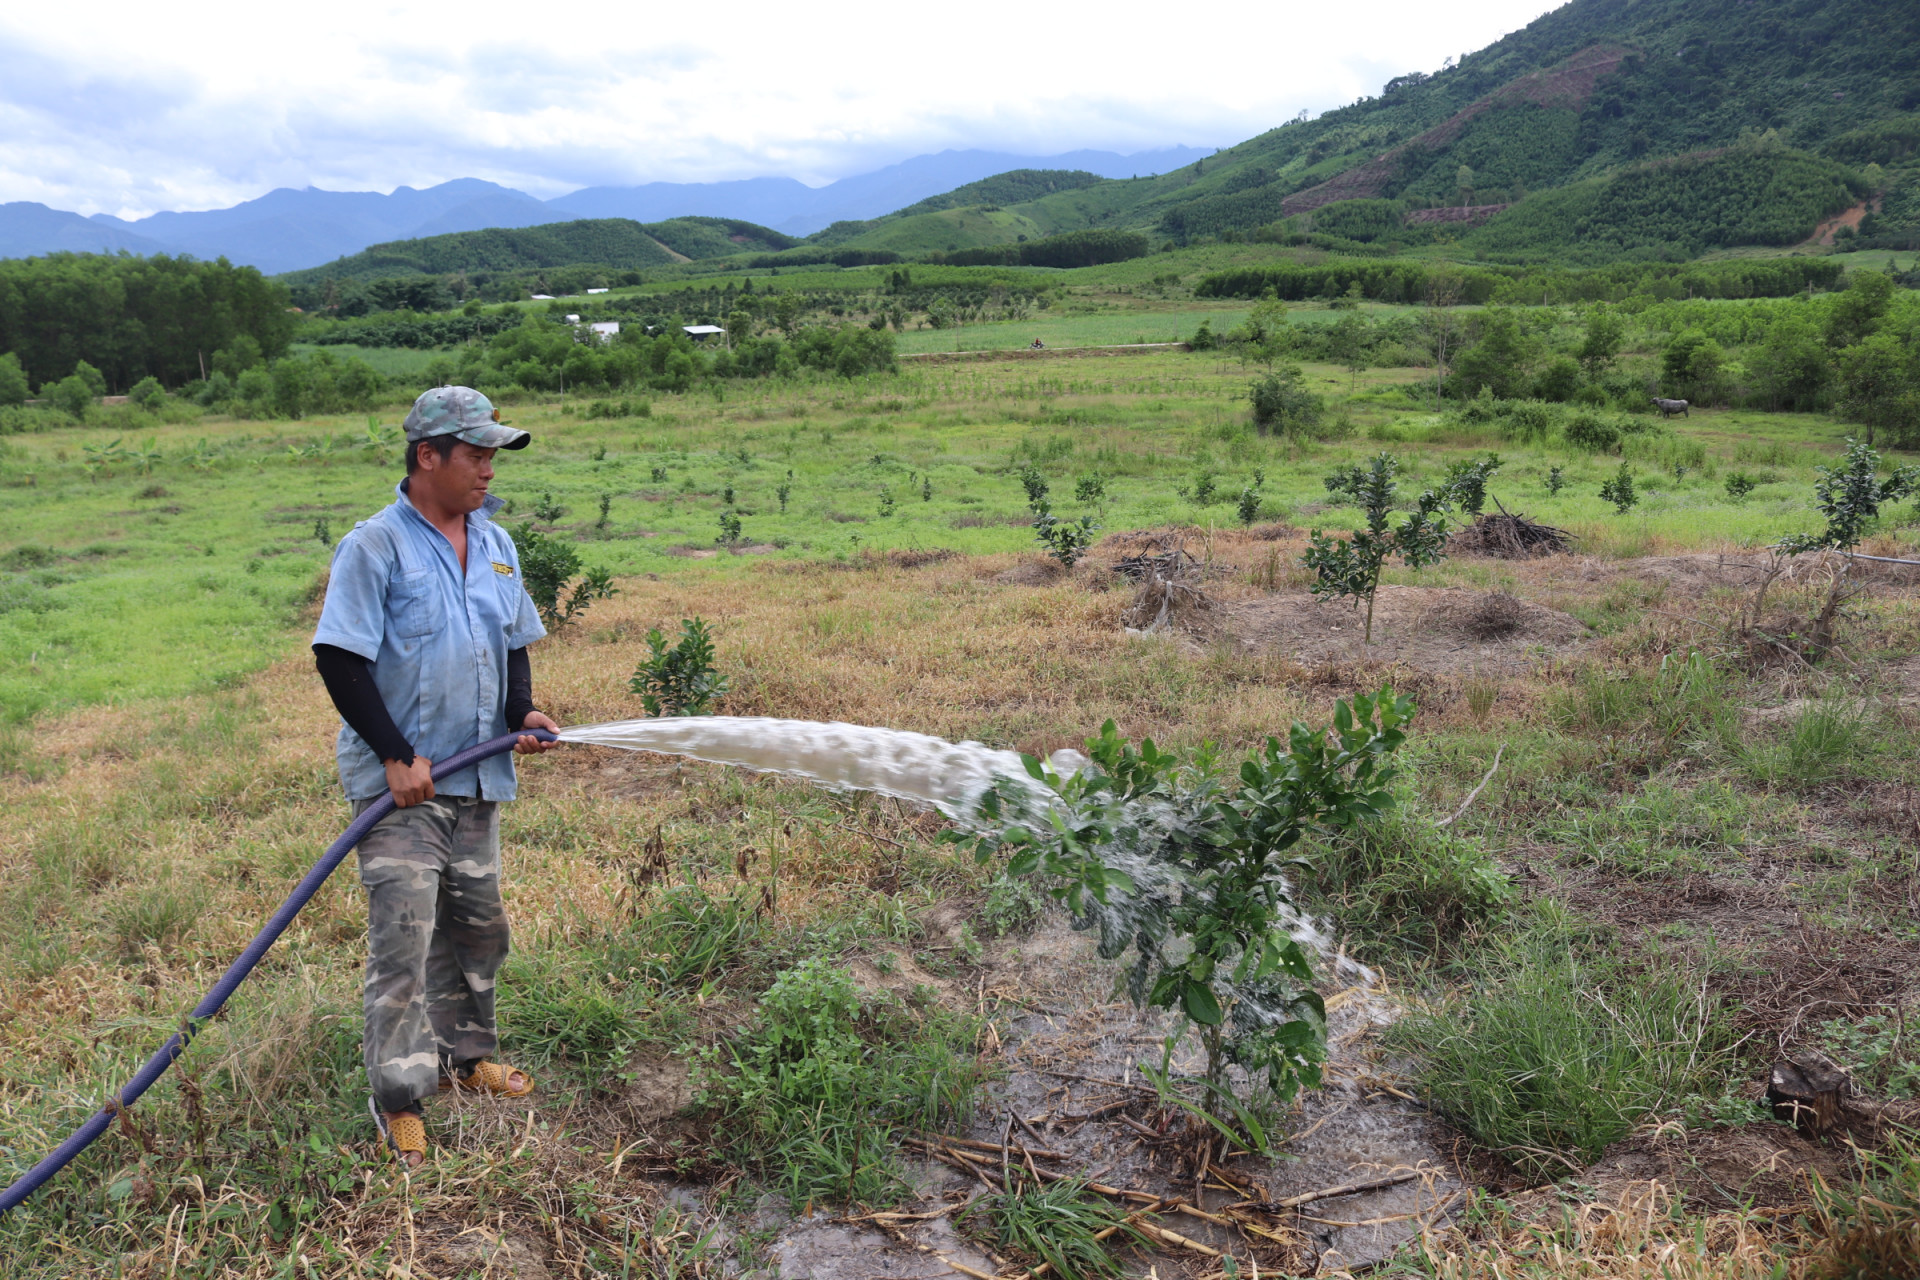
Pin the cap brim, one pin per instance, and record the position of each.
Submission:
(495, 436)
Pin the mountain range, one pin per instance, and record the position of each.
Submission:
(286, 229)
(1603, 129)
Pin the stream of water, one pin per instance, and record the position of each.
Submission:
(950, 776)
(919, 768)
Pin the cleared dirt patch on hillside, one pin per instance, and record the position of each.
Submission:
(1441, 630)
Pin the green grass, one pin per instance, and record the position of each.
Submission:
(391, 362)
(1403, 886)
(816, 1090)
(1825, 742)
(1058, 329)
(1661, 829)
(1558, 1048)
(1058, 1224)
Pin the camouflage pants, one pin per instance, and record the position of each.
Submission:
(436, 937)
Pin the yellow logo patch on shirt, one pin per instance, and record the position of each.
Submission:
(503, 568)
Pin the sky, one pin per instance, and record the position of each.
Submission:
(129, 108)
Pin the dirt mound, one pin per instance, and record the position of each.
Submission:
(1762, 1162)
(1435, 629)
(1029, 573)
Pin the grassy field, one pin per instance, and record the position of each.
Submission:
(175, 565)
(1685, 845)
(392, 362)
(1066, 329)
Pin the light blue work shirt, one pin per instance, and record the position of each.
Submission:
(437, 640)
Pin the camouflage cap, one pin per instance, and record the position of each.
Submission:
(461, 412)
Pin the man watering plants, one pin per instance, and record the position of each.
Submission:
(422, 644)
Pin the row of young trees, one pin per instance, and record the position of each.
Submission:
(1479, 284)
(541, 355)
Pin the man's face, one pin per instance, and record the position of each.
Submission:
(458, 481)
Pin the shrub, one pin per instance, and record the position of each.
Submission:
(548, 562)
(1592, 433)
(1012, 904)
(1850, 496)
(13, 381)
(680, 681)
(1249, 505)
(147, 393)
(1467, 482)
(1282, 404)
(71, 396)
(1065, 540)
(1202, 913)
(1740, 484)
(1528, 420)
(1036, 486)
(1559, 380)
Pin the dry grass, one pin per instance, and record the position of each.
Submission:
(1642, 1235)
(232, 795)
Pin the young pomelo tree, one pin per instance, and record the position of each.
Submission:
(1350, 567)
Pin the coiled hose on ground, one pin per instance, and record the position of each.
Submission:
(156, 1066)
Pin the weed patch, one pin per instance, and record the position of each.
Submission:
(1059, 1225)
(1825, 743)
(815, 1091)
(1401, 883)
(1559, 1049)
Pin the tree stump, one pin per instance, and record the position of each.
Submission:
(1809, 1091)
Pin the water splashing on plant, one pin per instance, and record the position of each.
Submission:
(1177, 862)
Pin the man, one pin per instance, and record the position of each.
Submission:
(422, 644)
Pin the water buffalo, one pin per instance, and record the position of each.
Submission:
(1668, 408)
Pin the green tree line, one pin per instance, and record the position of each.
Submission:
(1073, 249)
(133, 318)
(1413, 281)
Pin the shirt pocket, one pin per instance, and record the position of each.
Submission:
(415, 604)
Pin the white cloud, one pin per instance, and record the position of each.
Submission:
(145, 107)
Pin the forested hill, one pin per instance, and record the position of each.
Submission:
(1587, 92)
(606, 242)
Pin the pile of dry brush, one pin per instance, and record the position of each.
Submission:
(1506, 536)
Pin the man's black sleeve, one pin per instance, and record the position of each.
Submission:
(519, 688)
(349, 681)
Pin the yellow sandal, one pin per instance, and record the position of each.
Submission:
(401, 1134)
(486, 1076)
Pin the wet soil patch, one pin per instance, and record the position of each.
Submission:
(1074, 1101)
